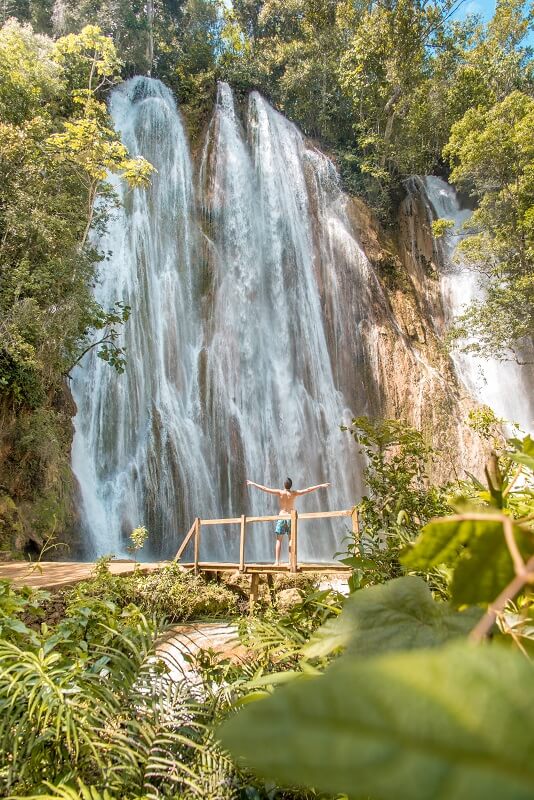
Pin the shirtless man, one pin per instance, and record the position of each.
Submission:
(286, 499)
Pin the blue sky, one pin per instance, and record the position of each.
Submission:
(485, 9)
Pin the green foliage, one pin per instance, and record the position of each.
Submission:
(398, 615)
(442, 718)
(88, 703)
(57, 145)
(492, 155)
(441, 226)
(476, 551)
(14, 605)
(483, 543)
(169, 593)
(277, 640)
(488, 425)
(403, 726)
(177, 40)
(83, 792)
(138, 538)
(400, 497)
(381, 84)
(444, 714)
(391, 70)
(97, 714)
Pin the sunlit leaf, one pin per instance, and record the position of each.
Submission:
(455, 723)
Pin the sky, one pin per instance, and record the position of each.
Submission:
(485, 9)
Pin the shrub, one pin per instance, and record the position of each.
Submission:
(170, 592)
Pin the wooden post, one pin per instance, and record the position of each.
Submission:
(254, 585)
(356, 526)
(270, 584)
(242, 544)
(293, 542)
(197, 542)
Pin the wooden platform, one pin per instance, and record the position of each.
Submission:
(200, 528)
(266, 569)
(52, 574)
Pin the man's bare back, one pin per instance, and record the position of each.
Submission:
(286, 501)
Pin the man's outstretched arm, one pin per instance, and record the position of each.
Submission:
(312, 488)
(263, 488)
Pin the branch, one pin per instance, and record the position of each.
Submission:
(483, 627)
(517, 559)
(512, 483)
(106, 338)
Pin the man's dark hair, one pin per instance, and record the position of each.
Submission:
(288, 484)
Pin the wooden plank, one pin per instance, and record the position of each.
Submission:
(270, 584)
(185, 542)
(356, 528)
(304, 515)
(324, 569)
(275, 517)
(325, 514)
(197, 542)
(242, 543)
(293, 541)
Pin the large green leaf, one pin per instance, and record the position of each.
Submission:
(484, 569)
(525, 452)
(523, 458)
(477, 551)
(398, 615)
(455, 723)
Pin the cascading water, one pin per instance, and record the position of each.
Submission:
(139, 451)
(229, 371)
(258, 326)
(504, 386)
(273, 406)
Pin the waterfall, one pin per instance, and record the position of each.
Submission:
(139, 451)
(273, 407)
(234, 340)
(504, 386)
(258, 327)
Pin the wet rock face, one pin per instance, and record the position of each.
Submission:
(36, 484)
(413, 377)
(12, 536)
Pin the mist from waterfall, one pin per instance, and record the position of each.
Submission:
(230, 358)
(504, 386)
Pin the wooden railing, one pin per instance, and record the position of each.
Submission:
(194, 533)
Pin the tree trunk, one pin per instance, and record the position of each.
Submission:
(390, 112)
(150, 42)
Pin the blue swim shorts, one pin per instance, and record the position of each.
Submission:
(283, 526)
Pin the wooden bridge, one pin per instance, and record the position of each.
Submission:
(195, 536)
(255, 570)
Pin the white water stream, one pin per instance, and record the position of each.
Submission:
(504, 386)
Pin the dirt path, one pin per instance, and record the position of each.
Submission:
(49, 574)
